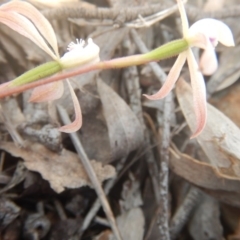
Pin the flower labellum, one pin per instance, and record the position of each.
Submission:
(214, 31)
(78, 55)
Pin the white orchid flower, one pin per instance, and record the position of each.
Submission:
(205, 34)
(25, 19)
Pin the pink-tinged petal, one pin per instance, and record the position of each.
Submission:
(42, 24)
(171, 78)
(208, 62)
(23, 26)
(199, 94)
(215, 30)
(48, 92)
(184, 18)
(77, 123)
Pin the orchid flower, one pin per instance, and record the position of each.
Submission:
(205, 34)
(28, 21)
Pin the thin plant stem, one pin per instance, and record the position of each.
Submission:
(165, 51)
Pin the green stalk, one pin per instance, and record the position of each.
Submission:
(50, 68)
(42, 71)
(167, 50)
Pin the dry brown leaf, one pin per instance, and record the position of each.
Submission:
(124, 129)
(200, 173)
(220, 139)
(60, 170)
(226, 189)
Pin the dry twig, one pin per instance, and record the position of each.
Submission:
(164, 152)
(91, 174)
(183, 212)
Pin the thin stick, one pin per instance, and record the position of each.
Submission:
(97, 204)
(91, 174)
(164, 169)
(164, 149)
(181, 216)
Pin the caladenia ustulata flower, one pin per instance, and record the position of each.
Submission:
(204, 34)
(16, 15)
(84, 58)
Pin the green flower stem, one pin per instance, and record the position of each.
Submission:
(167, 50)
(42, 71)
(28, 79)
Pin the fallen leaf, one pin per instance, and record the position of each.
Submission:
(200, 173)
(60, 170)
(204, 175)
(220, 139)
(124, 129)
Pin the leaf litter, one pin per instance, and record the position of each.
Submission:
(45, 191)
(62, 170)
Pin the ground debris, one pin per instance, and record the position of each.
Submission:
(45, 192)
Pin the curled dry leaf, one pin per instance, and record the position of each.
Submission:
(206, 176)
(200, 173)
(220, 139)
(60, 170)
(124, 129)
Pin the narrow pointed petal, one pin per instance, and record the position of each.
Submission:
(171, 78)
(199, 94)
(48, 92)
(42, 24)
(24, 27)
(184, 18)
(208, 62)
(77, 123)
(215, 30)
